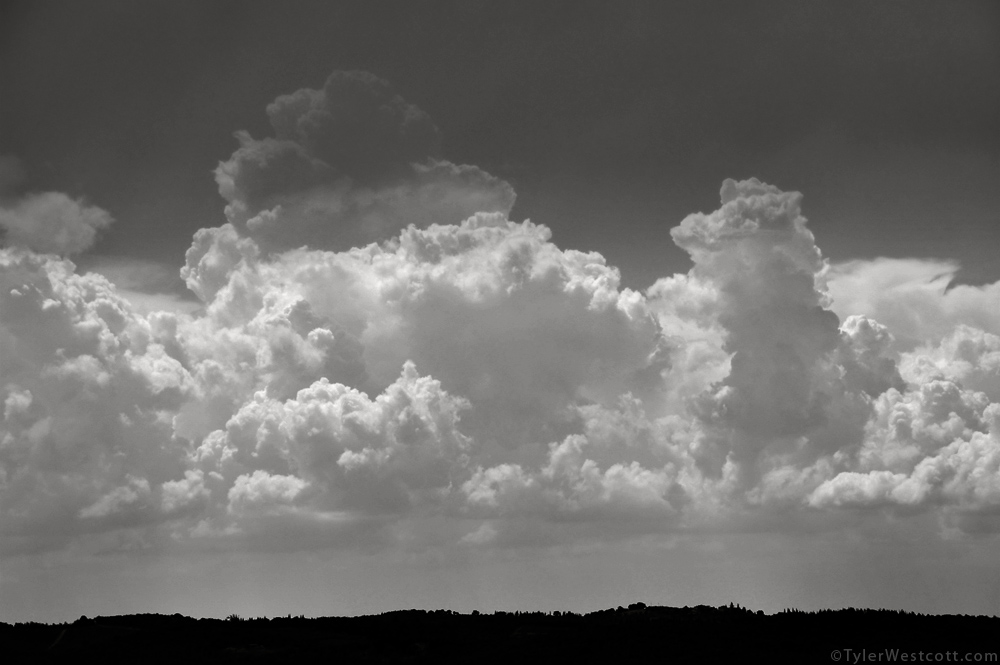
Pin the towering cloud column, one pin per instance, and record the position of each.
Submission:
(785, 393)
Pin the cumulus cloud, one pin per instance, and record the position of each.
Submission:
(466, 370)
(797, 386)
(968, 356)
(88, 391)
(935, 442)
(491, 308)
(349, 163)
(622, 466)
(52, 222)
(336, 449)
(46, 222)
(963, 475)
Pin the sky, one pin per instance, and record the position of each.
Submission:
(342, 307)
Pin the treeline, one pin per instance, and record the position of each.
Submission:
(669, 634)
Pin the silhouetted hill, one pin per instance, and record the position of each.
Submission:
(663, 634)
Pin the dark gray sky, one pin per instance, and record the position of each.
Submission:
(612, 120)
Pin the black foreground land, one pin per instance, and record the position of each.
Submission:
(658, 634)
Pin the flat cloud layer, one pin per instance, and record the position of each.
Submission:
(468, 379)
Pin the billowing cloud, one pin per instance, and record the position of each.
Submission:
(52, 222)
(797, 386)
(491, 308)
(623, 466)
(968, 356)
(469, 373)
(350, 163)
(331, 448)
(88, 394)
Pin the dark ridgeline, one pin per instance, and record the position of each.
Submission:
(660, 634)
